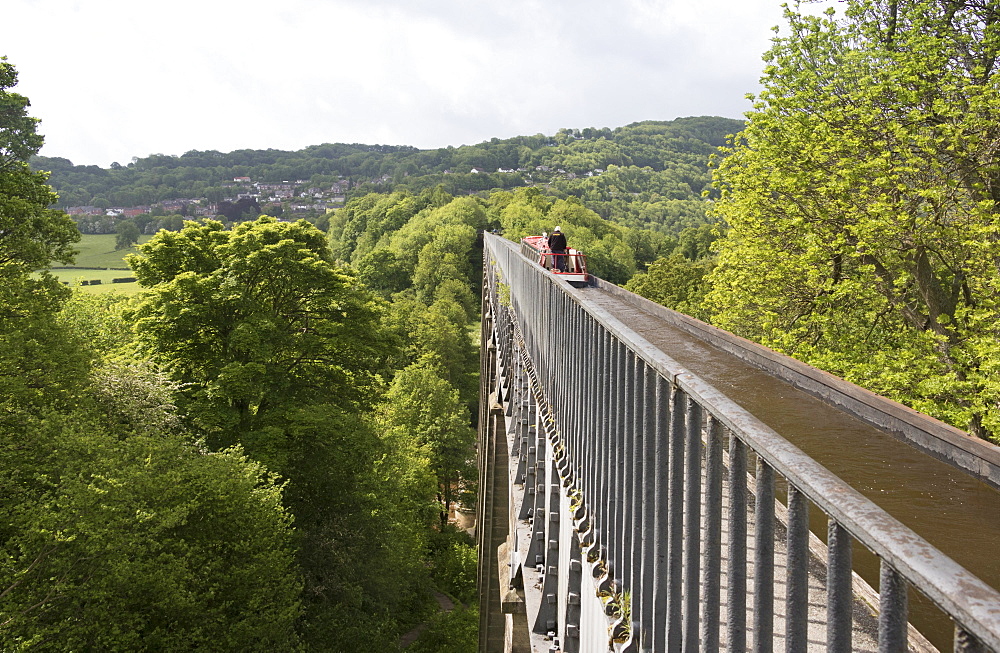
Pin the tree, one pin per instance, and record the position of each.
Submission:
(676, 283)
(127, 234)
(424, 406)
(862, 204)
(19, 139)
(256, 320)
(282, 351)
(32, 351)
(138, 542)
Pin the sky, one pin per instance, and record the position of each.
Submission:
(116, 79)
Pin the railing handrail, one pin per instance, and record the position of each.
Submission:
(969, 601)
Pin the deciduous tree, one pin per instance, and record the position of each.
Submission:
(422, 405)
(127, 234)
(256, 320)
(862, 203)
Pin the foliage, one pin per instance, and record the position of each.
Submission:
(32, 349)
(33, 235)
(141, 543)
(19, 138)
(363, 503)
(649, 174)
(127, 234)
(861, 201)
(456, 631)
(421, 253)
(255, 320)
(99, 321)
(278, 348)
(676, 283)
(129, 523)
(116, 532)
(454, 563)
(422, 405)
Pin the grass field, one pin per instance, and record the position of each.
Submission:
(98, 251)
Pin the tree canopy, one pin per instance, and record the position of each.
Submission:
(649, 174)
(254, 319)
(861, 201)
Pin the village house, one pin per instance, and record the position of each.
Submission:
(84, 210)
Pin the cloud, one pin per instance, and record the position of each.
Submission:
(116, 79)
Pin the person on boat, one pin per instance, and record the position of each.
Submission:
(557, 245)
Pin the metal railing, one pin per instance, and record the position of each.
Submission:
(621, 459)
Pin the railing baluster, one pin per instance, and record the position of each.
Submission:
(650, 424)
(763, 559)
(797, 573)
(711, 567)
(692, 524)
(839, 595)
(892, 606)
(675, 529)
(604, 513)
(661, 547)
(627, 383)
(736, 564)
(618, 457)
(637, 496)
(588, 429)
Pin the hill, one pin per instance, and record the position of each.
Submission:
(650, 174)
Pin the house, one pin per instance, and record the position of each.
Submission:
(84, 210)
(241, 180)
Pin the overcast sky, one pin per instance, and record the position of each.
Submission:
(115, 79)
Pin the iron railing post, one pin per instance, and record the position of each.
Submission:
(763, 559)
(839, 594)
(712, 566)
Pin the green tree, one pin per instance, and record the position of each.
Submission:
(425, 406)
(862, 204)
(117, 531)
(282, 351)
(256, 320)
(32, 349)
(676, 283)
(450, 632)
(127, 234)
(19, 138)
(140, 542)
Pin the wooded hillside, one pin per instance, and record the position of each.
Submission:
(649, 173)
